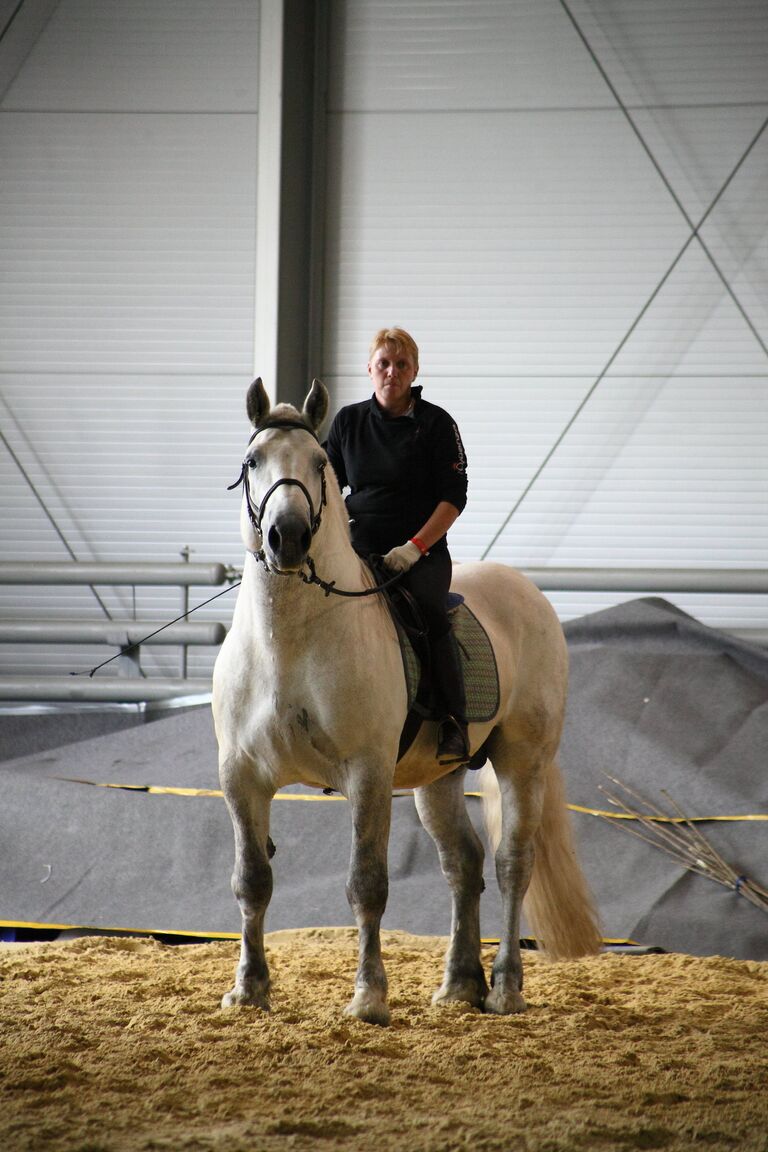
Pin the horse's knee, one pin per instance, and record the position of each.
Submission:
(368, 889)
(367, 882)
(252, 882)
(514, 868)
(464, 861)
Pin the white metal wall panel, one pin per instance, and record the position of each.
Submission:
(488, 191)
(506, 243)
(128, 243)
(128, 145)
(680, 53)
(436, 55)
(143, 56)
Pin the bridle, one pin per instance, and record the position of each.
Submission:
(256, 514)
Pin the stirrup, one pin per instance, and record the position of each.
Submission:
(452, 741)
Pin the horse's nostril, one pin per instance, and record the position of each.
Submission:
(306, 539)
(273, 539)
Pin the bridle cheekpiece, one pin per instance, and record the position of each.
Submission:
(256, 515)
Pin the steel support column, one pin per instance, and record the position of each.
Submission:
(290, 195)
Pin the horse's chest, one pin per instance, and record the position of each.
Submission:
(303, 713)
(296, 721)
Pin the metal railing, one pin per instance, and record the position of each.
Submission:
(130, 685)
(79, 572)
(122, 633)
(645, 580)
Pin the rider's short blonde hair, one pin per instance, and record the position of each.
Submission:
(398, 339)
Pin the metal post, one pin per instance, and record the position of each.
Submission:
(186, 552)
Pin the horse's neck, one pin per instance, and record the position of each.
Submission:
(332, 552)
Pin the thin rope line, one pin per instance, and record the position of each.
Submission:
(138, 643)
(11, 19)
(586, 398)
(667, 183)
(694, 235)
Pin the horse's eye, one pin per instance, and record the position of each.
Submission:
(252, 462)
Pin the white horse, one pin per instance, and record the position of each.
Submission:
(309, 688)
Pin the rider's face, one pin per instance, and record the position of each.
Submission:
(392, 373)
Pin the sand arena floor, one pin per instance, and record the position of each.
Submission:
(119, 1043)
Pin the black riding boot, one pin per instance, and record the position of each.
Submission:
(452, 740)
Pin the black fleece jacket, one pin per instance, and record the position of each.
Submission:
(398, 469)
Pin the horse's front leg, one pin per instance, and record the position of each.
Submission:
(443, 812)
(370, 800)
(252, 886)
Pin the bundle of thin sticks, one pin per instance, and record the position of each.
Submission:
(678, 836)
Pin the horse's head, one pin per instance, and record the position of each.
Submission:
(283, 478)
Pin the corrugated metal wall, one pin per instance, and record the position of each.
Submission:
(517, 182)
(491, 192)
(128, 215)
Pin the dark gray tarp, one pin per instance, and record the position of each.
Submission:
(657, 700)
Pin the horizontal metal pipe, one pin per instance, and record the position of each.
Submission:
(718, 580)
(115, 632)
(111, 689)
(551, 579)
(77, 572)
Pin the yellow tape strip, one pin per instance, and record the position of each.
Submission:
(31, 924)
(663, 819)
(157, 790)
(105, 928)
(653, 819)
(489, 941)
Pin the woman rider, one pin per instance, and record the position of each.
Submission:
(405, 466)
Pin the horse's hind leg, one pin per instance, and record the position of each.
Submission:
(443, 812)
(367, 888)
(518, 771)
(252, 886)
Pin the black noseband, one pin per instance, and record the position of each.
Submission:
(256, 515)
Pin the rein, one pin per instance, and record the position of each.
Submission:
(255, 515)
(329, 586)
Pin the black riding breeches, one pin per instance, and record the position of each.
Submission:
(429, 582)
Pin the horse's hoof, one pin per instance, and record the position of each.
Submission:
(369, 1008)
(460, 992)
(504, 1003)
(239, 998)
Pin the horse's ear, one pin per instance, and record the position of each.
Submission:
(257, 402)
(316, 404)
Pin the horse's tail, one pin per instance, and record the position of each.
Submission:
(558, 904)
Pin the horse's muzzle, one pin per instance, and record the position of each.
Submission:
(288, 541)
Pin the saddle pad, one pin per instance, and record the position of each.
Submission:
(478, 666)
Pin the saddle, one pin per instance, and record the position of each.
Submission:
(477, 662)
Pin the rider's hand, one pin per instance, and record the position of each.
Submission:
(402, 558)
